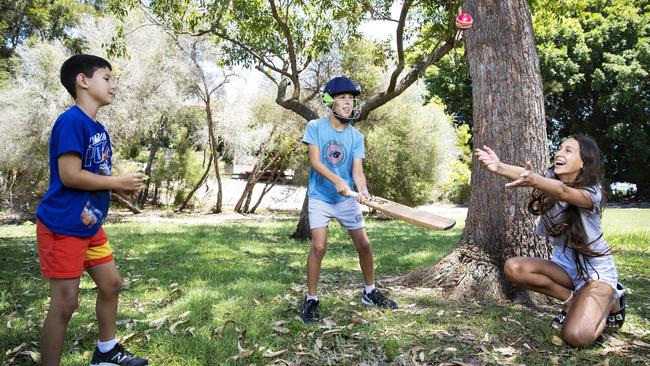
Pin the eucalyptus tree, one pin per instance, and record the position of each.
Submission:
(285, 40)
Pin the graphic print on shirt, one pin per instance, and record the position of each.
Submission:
(98, 155)
(335, 153)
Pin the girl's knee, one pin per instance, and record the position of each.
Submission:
(514, 269)
(577, 337)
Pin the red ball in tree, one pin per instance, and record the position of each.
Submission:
(464, 21)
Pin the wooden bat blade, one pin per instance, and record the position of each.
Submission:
(411, 215)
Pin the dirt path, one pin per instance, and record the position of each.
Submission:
(283, 202)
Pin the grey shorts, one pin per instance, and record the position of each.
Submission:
(598, 268)
(348, 213)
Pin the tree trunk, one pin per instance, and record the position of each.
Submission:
(218, 207)
(302, 230)
(153, 150)
(197, 186)
(270, 183)
(125, 203)
(508, 112)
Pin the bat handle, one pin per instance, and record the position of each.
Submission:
(352, 194)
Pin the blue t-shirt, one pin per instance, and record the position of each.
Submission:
(73, 211)
(337, 150)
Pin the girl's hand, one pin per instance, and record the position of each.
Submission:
(488, 158)
(527, 177)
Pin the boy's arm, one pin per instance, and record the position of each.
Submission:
(313, 152)
(360, 179)
(73, 176)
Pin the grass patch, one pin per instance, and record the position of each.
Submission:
(194, 294)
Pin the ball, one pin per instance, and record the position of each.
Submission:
(464, 21)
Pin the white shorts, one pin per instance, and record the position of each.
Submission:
(598, 268)
(348, 213)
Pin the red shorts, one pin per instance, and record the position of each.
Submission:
(66, 256)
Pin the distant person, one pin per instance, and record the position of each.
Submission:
(336, 152)
(69, 229)
(581, 273)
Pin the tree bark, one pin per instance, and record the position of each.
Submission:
(125, 203)
(302, 230)
(153, 150)
(508, 112)
(198, 184)
(218, 207)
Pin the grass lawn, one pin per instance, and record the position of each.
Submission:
(230, 294)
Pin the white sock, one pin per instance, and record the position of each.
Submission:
(106, 346)
(369, 288)
(310, 297)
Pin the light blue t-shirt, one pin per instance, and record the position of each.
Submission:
(337, 150)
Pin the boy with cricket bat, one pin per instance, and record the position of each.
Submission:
(336, 152)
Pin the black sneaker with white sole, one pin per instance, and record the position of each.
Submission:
(310, 311)
(377, 299)
(118, 356)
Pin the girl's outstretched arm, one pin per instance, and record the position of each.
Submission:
(525, 177)
(489, 159)
(553, 188)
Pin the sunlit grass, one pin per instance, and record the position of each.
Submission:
(239, 281)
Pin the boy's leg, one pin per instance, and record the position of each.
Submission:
(364, 249)
(315, 257)
(109, 283)
(587, 314)
(64, 298)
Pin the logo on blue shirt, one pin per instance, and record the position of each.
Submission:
(334, 153)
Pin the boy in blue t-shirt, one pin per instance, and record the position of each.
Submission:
(336, 152)
(69, 230)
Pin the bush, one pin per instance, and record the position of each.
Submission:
(456, 189)
(407, 149)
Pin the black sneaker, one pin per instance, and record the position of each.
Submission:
(376, 298)
(617, 319)
(310, 311)
(559, 320)
(118, 356)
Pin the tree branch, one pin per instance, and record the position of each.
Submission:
(400, 46)
(291, 49)
(381, 98)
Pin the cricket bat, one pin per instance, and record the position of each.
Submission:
(409, 214)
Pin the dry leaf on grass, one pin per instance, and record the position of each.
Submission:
(281, 330)
(557, 341)
(33, 356)
(126, 338)
(506, 351)
(459, 363)
(158, 323)
(242, 354)
(172, 328)
(318, 344)
(640, 343)
(271, 354)
(604, 363)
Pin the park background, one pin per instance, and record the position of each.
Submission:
(212, 103)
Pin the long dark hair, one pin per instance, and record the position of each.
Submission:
(588, 178)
